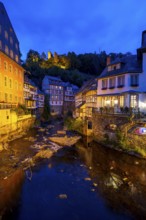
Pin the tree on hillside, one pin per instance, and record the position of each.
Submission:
(32, 57)
(64, 61)
(75, 62)
(56, 58)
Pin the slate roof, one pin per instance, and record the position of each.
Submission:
(89, 85)
(68, 84)
(40, 92)
(54, 80)
(129, 64)
(29, 81)
(7, 26)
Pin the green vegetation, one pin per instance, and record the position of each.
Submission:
(74, 124)
(70, 67)
(121, 139)
(21, 110)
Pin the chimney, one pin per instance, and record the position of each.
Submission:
(143, 42)
(108, 60)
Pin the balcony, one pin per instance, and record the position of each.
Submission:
(32, 107)
(7, 106)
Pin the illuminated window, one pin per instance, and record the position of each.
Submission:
(118, 66)
(0, 44)
(133, 101)
(109, 68)
(11, 54)
(121, 101)
(16, 58)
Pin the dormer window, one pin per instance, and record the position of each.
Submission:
(109, 68)
(114, 67)
(118, 65)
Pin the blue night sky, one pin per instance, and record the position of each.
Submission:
(82, 26)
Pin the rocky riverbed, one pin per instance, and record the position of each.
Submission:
(21, 155)
(40, 143)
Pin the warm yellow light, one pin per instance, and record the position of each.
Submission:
(107, 101)
(142, 104)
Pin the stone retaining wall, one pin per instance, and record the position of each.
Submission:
(127, 139)
(15, 130)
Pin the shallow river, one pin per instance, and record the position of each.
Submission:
(81, 183)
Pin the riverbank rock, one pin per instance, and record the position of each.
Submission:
(65, 141)
(43, 154)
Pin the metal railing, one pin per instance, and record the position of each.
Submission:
(124, 111)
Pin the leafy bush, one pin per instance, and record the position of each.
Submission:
(74, 124)
(21, 110)
(121, 138)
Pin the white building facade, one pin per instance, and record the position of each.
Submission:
(123, 82)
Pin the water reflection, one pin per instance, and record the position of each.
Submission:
(120, 178)
(10, 191)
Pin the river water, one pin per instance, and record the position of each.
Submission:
(83, 182)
